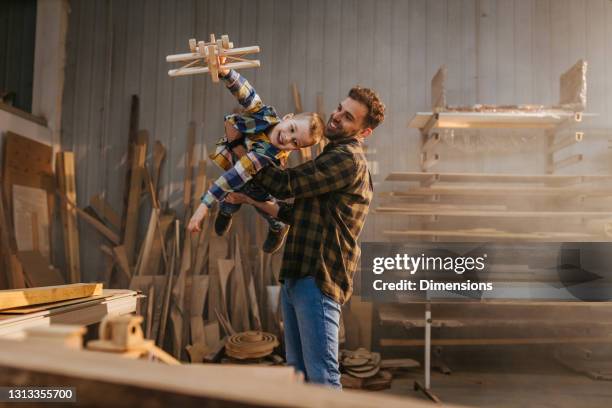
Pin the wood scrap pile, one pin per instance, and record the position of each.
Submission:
(361, 369)
(188, 280)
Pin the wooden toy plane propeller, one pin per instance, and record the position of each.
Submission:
(199, 60)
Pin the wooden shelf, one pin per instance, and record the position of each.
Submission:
(496, 190)
(551, 179)
(499, 214)
(543, 119)
(492, 233)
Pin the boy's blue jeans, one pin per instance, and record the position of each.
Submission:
(257, 193)
(312, 323)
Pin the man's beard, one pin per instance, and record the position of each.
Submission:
(338, 134)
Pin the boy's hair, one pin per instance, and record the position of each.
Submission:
(376, 109)
(316, 126)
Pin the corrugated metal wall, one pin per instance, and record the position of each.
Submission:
(503, 52)
(17, 34)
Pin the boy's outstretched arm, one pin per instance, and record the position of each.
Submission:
(235, 178)
(244, 92)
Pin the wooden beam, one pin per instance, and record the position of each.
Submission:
(500, 190)
(499, 178)
(495, 342)
(492, 233)
(105, 211)
(133, 207)
(103, 229)
(26, 297)
(431, 142)
(573, 87)
(188, 180)
(545, 119)
(568, 161)
(7, 251)
(500, 214)
(66, 184)
(104, 379)
(438, 89)
(570, 140)
(159, 154)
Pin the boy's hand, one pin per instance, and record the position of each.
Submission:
(222, 71)
(195, 223)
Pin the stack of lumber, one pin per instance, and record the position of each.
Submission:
(361, 369)
(81, 303)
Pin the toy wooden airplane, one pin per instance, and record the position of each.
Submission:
(198, 61)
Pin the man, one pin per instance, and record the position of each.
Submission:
(332, 196)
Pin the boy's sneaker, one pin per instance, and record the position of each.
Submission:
(275, 239)
(222, 223)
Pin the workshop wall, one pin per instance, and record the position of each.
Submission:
(496, 52)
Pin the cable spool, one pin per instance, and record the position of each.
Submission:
(250, 344)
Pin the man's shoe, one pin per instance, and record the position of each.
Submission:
(274, 240)
(222, 223)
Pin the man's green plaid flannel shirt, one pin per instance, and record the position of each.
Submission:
(332, 197)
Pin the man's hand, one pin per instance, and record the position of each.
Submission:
(195, 223)
(238, 198)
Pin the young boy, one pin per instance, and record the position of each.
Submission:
(268, 141)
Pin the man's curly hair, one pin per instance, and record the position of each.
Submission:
(369, 98)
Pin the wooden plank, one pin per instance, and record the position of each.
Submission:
(31, 219)
(498, 190)
(188, 179)
(66, 184)
(159, 154)
(496, 342)
(38, 270)
(498, 177)
(105, 211)
(568, 161)
(573, 87)
(26, 163)
(17, 271)
(157, 250)
(498, 214)
(144, 260)
(114, 238)
(23, 114)
(136, 178)
(52, 305)
(132, 141)
(14, 274)
(545, 119)
(239, 305)
(438, 89)
(170, 269)
(121, 382)
(33, 296)
(492, 233)
(570, 140)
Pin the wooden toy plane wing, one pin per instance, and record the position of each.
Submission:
(199, 61)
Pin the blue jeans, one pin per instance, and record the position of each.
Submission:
(312, 323)
(257, 193)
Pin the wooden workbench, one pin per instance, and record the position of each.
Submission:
(83, 311)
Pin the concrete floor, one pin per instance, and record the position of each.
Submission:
(548, 387)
